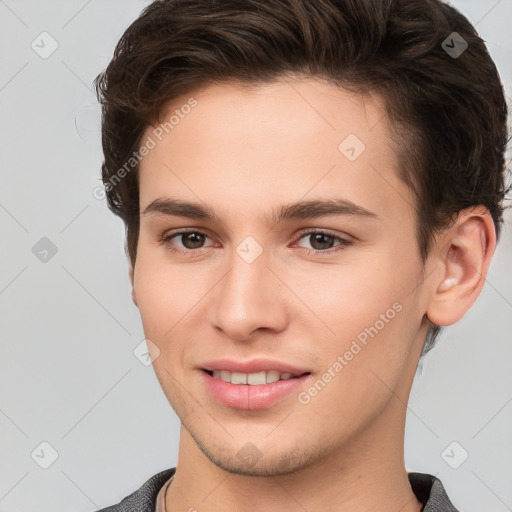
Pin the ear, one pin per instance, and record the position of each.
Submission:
(464, 252)
(134, 297)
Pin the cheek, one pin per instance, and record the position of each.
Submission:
(169, 302)
(166, 293)
(366, 312)
(366, 357)
(349, 298)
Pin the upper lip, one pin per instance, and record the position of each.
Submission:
(252, 366)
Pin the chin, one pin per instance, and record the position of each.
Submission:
(249, 460)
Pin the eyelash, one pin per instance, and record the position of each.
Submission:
(343, 242)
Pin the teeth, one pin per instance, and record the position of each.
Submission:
(238, 378)
(253, 379)
(256, 378)
(272, 376)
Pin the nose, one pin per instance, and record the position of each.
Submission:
(250, 297)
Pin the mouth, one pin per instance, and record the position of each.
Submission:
(253, 379)
(251, 391)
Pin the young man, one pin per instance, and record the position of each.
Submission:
(311, 190)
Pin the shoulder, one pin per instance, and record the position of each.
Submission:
(430, 491)
(144, 498)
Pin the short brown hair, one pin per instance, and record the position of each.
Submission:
(449, 111)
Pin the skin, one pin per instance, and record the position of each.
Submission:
(244, 152)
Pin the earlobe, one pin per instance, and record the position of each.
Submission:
(469, 246)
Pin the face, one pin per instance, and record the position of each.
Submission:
(298, 255)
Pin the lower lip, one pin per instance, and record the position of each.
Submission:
(245, 396)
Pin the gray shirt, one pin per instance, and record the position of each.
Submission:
(428, 489)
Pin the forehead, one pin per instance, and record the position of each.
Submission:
(305, 106)
(273, 142)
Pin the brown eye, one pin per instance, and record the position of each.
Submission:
(192, 240)
(185, 242)
(321, 241)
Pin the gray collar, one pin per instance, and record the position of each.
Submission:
(428, 489)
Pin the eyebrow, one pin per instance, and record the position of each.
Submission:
(299, 210)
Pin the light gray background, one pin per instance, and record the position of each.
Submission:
(68, 328)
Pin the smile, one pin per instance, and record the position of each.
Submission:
(252, 379)
(259, 390)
